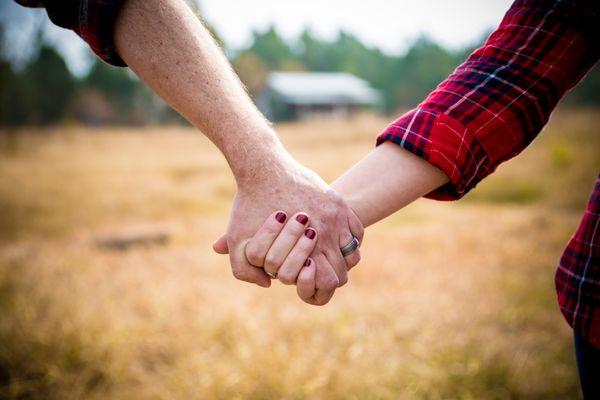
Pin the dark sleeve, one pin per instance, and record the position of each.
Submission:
(494, 104)
(92, 20)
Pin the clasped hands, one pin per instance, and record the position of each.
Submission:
(300, 242)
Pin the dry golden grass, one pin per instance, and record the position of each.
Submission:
(452, 300)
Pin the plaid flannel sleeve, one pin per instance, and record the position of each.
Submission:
(92, 20)
(494, 104)
(578, 275)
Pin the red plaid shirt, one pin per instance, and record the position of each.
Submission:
(494, 104)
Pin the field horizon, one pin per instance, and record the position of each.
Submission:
(451, 300)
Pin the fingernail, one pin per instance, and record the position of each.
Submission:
(280, 217)
(307, 262)
(310, 233)
(302, 218)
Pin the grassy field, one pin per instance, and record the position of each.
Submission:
(452, 300)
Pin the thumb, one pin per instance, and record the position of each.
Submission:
(220, 245)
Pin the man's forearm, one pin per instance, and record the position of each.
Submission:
(167, 46)
(386, 180)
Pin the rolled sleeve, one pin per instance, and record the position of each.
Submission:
(92, 20)
(494, 104)
(96, 25)
(446, 144)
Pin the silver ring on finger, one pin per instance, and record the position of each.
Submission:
(273, 275)
(350, 247)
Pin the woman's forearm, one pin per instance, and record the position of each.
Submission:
(386, 180)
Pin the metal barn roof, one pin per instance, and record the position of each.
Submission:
(322, 88)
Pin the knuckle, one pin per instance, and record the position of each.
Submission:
(331, 284)
(308, 300)
(305, 285)
(254, 255)
(271, 262)
(321, 302)
(286, 278)
(342, 280)
(238, 273)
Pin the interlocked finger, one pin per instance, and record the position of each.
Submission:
(285, 242)
(257, 248)
(296, 259)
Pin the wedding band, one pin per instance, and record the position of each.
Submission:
(350, 247)
(272, 275)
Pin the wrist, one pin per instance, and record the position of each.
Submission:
(386, 180)
(258, 161)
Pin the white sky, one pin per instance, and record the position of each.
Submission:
(388, 24)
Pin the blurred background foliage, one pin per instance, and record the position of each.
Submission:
(114, 96)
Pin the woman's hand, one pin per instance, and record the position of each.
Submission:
(282, 247)
(286, 248)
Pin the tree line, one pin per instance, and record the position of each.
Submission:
(45, 92)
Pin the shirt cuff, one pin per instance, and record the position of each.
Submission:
(445, 143)
(96, 24)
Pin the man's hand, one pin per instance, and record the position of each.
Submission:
(292, 188)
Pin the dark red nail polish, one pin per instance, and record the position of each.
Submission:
(310, 233)
(307, 262)
(302, 218)
(280, 217)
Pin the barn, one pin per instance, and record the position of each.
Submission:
(304, 95)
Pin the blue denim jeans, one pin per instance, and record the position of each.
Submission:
(588, 364)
